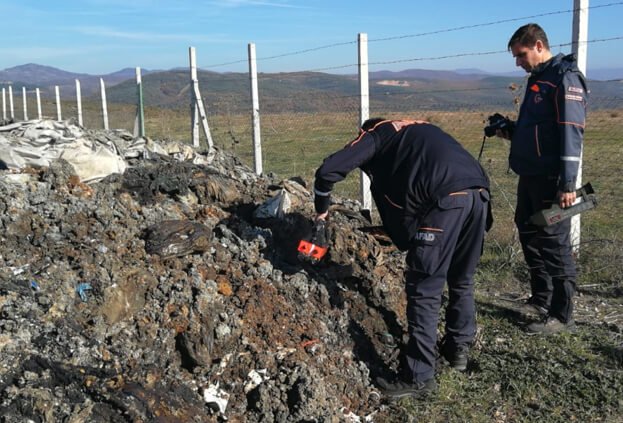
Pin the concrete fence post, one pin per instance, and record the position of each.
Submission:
(104, 104)
(194, 110)
(38, 94)
(580, 48)
(57, 92)
(24, 103)
(198, 113)
(139, 121)
(11, 109)
(364, 113)
(255, 112)
(79, 102)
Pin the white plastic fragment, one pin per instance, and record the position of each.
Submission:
(19, 270)
(284, 352)
(349, 416)
(277, 206)
(256, 377)
(213, 395)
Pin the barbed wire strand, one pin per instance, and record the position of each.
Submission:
(449, 56)
(238, 76)
(422, 34)
(460, 28)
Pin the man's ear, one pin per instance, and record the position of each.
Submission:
(539, 46)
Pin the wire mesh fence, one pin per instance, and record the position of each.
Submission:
(306, 116)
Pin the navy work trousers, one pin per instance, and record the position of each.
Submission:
(447, 247)
(547, 250)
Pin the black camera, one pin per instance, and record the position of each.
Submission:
(497, 121)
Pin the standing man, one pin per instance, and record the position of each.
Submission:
(433, 199)
(546, 148)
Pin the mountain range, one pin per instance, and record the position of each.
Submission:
(170, 88)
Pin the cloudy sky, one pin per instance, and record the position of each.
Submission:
(103, 36)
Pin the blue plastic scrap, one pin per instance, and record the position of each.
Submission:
(34, 285)
(82, 289)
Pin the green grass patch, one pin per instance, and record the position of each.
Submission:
(515, 377)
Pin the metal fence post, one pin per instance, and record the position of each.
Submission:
(255, 112)
(3, 103)
(364, 113)
(580, 48)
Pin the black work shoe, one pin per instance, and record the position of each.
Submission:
(456, 355)
(400, 389)
(549, 326)
(530, 309)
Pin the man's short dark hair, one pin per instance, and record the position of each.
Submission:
(528, 35)
(371, 123)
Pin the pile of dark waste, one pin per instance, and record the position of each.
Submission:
(173, 293)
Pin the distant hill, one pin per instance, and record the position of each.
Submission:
(228, 92)
(461, 75)
(46, 78)
(605, 74)
(295, 92)
(314, 91)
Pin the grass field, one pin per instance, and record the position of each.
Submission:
(512, 377)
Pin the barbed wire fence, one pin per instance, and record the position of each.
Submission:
(297, 134)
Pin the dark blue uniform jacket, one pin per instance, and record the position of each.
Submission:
(548, 136)
(411, 165)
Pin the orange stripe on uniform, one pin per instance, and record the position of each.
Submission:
(392, 203)
(547, 82)
(430, 229)
(356, 140)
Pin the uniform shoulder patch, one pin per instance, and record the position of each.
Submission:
(573, 97)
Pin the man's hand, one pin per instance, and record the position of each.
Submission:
(503, 134)
(321, 216)
(566, 199)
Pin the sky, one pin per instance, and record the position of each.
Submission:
(103, 36)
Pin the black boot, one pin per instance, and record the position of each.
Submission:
(400, 389)
(457, 355)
